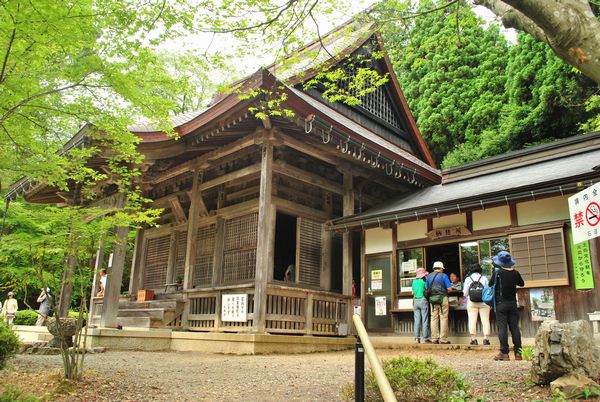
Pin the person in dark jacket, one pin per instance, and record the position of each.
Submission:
(506, 279)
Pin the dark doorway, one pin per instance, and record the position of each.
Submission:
(285, 244)
(446, 253)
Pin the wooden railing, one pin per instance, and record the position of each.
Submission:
(289, 311)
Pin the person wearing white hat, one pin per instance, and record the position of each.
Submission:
(438, 285)
(45, 304)
(9, 310)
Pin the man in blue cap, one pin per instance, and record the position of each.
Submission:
(506, 279)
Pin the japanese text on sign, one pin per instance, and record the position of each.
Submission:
(234, 307)
(584, 210)
(582, 265)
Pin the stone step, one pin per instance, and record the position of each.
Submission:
(136, 322)
(165, 304)
(153, 313)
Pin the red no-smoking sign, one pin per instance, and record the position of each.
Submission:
(592, 213)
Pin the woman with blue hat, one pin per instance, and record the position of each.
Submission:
(506, 279)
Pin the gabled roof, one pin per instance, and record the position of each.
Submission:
(554, 168)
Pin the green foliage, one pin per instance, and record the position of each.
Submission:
(527, 353)
(26, 317)
(414, 380)
(473, 94)
(14, 394)
(9, 344)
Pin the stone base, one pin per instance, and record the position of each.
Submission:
(32, 334)
(240, 344)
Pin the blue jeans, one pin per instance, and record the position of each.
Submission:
(421, 316)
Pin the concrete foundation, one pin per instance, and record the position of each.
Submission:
(240, 344)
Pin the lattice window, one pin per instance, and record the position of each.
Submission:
(181, 244)
(540, 258)
(310, 251)
(156, 261)
(376, 103)
(239, 257)
(205, 251)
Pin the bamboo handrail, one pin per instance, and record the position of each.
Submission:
(382, 381)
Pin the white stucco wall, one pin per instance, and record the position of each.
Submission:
(491, 218)
(450, 221)
(412, 230)
(378, 240)
(544, 210)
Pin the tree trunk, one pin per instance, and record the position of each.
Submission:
(569, 27)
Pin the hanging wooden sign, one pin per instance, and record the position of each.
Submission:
(443, 233)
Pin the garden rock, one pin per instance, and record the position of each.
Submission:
(574, 386)
(564, 349)
(69, 326)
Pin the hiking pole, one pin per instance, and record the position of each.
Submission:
(359, 371)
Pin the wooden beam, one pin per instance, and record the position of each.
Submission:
(177, 210)
(265, 237)
(242, 193)
(206, 159)
(230, 176)
(286, 169)
(172, 257)
(137, 266)
(192, 231)
(348, 209)
(266, 121)
(305, 148)
(292, 208)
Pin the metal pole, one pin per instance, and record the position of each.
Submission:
(359, 372)
(384, 385)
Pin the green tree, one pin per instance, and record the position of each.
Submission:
(452, 71)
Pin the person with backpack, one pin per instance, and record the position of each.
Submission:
(473, 291)
(505, 281)
(437, 285)
(420, 307)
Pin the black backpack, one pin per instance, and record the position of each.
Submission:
(476, 291)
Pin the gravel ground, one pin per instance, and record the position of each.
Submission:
(170, 376)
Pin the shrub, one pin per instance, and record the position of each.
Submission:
(526, 353)
(9, 344)
(25, 317)
(12, 394)
(414, 380)
(29, 317)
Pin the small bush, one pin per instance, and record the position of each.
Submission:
(12, 394)
(25, 317)
(9, 344)
(526, 353)
(414, 380)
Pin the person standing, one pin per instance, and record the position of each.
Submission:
(439, 285)
(477, 307)
(102, 283)
(506, 279)
(9, 310)
(420, 307)
(45, 305)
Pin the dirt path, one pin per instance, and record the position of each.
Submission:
(146, 376)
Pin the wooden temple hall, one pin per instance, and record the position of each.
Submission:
(244, 198)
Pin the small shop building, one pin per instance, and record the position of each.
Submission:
(515, 202)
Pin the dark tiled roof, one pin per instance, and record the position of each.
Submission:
(537, 175)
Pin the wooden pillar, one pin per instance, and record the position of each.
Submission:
(137, 264)
(172, 257)
(97, 268)
(266, 237)
(395, 263)
(192, 232)
(348, 209)
(326, 240)
(217, 274)
(114, 278)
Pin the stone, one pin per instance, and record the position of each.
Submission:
(574, 386)
(562, 349)
(69, 326)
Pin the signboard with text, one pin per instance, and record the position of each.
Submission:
(582, 265)
(584, 211)
(234, 307)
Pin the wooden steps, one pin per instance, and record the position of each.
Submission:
(161, 313)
